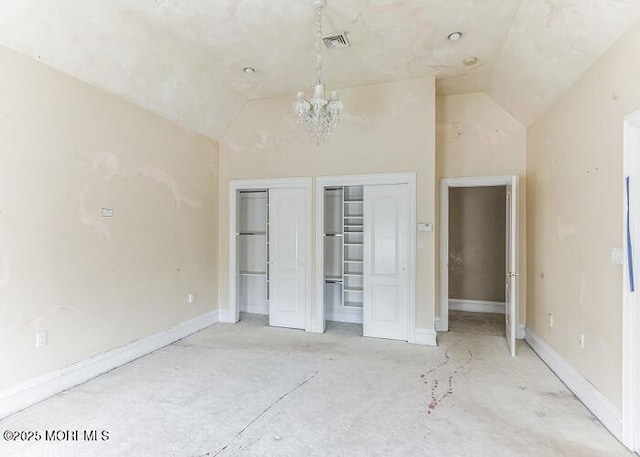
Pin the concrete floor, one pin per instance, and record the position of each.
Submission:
(252, 390)
(482, 323)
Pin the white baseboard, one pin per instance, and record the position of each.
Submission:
(25, 394)
(476, 306)
(226, 316)
(520, 331)
(426, 337)
(351, 316)
(598, 404)
(255, 309)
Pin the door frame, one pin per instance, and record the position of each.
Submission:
(272, 183)
(318, 320)
(630, 312)
(474, 181)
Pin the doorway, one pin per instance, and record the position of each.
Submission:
(365, 254)
(479, 255)
(631, 313)
(477, 260)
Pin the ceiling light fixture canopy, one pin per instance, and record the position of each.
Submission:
(470, 61)
(319, 115)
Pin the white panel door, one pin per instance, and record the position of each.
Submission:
(511, 266)
(386, 261)
(288, 238)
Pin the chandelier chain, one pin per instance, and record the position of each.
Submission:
(318, 45)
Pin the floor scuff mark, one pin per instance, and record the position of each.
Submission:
(265, 411)
(435, 400)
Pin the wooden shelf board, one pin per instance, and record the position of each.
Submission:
(253, 273)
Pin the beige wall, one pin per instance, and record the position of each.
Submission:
(385, 128)
(477, 237)
(66, 151)
(574, 175)
(476, 137)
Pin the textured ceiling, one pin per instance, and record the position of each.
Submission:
(183, 59)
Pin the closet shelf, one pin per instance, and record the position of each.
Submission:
(253, 273)
(354, 201)
(353, 217)
(352, 274)
(354, 289)
(353, 304)
(354, 244)
(251, 233)
(352, 261)
(333, 234)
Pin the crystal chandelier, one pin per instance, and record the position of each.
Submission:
(317, 114)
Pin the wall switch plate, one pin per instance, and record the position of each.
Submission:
(108, 212)
(191, 297)
(550, 320)
(420, 244)
(425, 227)
(41, 339)
(616, 256)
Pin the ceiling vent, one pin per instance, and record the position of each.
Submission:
(337, 41)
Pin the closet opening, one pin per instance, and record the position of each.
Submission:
(252, 252)
(269, 250)
(365, 255)
(343, 244)
(477, 247)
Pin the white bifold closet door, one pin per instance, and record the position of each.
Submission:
(386, 261)
(288, 228)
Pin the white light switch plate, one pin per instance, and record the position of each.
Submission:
(425, 227)
(41, 339)
(108, 212)
(616, 256)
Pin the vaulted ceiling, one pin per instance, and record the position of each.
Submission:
(183, 59)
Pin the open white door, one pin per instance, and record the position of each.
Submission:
(511, 265)
(386, 261)
(288, 238)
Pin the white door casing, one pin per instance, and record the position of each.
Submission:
(631, 303)
(288, 227)
(386, 235)
(511, 258)
(511, 267)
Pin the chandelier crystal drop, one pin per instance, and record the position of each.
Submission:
(319, 115)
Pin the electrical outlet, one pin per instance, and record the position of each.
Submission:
(582, 341)
(41, 339)
(191, 297)
(420, 243)
(550, 320)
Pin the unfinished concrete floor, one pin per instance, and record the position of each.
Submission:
(252, 390)
(483, 323)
